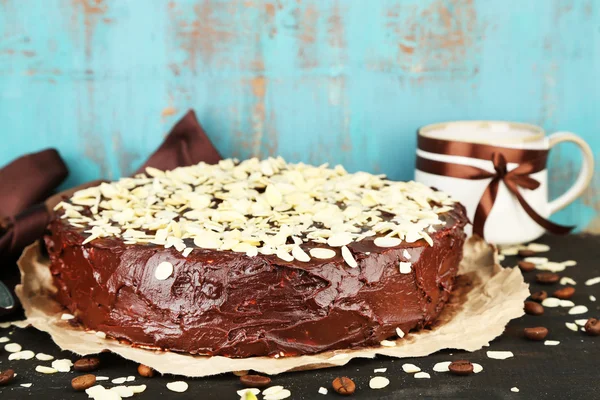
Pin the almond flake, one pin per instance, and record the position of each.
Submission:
(551, 343)
(379, 370)
(280, 395)
(477, 368)
(123, 391)
(242, 392)
(45, 370)
(339, 240)
(592, 281)
(442, 366)
(500, 355)
(406, 254)
(572, 326)
(44, 357)
(299, 254)
(578, 310)
(119, 381)
(384, 241)
(551, 302)
(378, 382)
(405, 267)
(22, 355)
(410, 368)
(422, 375)
(399, 333)
(284, 255)
(347, 256)
(387, 343)
(67, 316)
(13, 347)
(565, 280)
(536, 260)
(163, 271)
(62, 365)
(538, 247)
(322, 390)
(274, 197)
(321, 253)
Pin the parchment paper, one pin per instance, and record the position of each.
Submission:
(486, 299)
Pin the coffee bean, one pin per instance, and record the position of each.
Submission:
(241, 373)
(526, 253)
(87, 364)
(344, 385)
(564, 293)
(526, 266)
(461, 367)
(547, 277)
(539, 296)
(145, 371)
(255, 381)
(533, 308)
(592, 327)
(83, 382)
(6, 377)
(537, 333)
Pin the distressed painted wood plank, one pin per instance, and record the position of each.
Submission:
(343, 81)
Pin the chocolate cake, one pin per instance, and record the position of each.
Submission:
(256, 258)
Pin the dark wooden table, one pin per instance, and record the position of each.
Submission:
(570, 370)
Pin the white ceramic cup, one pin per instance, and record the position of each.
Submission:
(507, 222)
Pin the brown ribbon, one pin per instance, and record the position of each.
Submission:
(529, 161)
(29, 180)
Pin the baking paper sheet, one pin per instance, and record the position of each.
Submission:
(487, 297)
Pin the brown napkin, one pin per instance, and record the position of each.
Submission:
(29, 180)
(186, 144)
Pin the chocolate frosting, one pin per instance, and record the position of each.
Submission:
(226, 303)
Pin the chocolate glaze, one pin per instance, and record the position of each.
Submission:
(228, 304)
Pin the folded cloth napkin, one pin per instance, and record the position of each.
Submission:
(28, 181)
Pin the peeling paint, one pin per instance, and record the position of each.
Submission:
(92, 12)
(203, 31)
(307, 22)
(168, 111)
(433, 36)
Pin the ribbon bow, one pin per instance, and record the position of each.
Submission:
(529, 162)
(29, 180)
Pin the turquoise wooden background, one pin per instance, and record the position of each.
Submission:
(345, 81)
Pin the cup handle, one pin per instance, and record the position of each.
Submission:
(585, 174)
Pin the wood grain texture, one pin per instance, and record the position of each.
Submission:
(343, 81)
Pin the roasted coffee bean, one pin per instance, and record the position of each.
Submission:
(564, 293)
(87, 364)
(526, 253)
(547, 277)
(344, 385)
(255, 381)
(539, 296)
(241, 373)
(83, 382)
(592, 327)
(145, 371)
(526, 266)
(461, 367)
(533, 308)
(6, 377)
(537, 333)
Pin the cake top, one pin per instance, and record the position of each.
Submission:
(269, 207)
